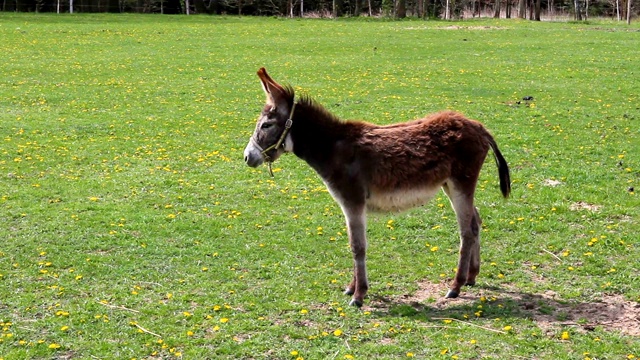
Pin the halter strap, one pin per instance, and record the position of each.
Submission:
(283, 136)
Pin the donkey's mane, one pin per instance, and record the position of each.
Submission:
(305, 101)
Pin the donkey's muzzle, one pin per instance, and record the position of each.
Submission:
(252, 156)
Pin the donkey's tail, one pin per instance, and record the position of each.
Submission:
(503, 168)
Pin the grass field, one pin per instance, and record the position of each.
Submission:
(131, 228)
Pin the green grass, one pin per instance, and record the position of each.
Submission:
(126, 208)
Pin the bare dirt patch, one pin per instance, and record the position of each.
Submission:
(581, 205)
(551, 183)
(612, 312)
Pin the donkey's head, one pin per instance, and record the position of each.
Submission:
(271, 137)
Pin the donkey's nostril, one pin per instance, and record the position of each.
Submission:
(246, 158)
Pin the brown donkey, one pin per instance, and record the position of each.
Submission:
(381, 168)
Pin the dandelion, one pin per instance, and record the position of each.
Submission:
(54, 346)
(224, 320)
(410, 354)
(507, 328)
(565, 335)
(304, 311)
(64, 328)
(294, 353)
(189, 333)
(337, 332)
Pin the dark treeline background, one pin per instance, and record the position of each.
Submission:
(446, 9)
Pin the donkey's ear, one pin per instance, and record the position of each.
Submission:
(276, 95)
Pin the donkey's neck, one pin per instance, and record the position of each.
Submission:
(316, 133)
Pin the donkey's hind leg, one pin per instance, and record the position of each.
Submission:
(469, 225)
(474, 266)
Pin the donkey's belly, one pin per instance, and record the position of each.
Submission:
(399, 200)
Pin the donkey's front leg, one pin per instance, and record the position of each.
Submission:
(356, 227)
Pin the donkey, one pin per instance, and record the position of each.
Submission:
(367, 167)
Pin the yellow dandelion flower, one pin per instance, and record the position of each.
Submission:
(224, 320)
(54, 346)
(294, 353)
(565, 335)
(507, 328)
(410, 354)
(337, 332)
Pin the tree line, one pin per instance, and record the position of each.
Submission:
(426, 9)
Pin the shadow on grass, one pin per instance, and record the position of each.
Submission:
(547, 310)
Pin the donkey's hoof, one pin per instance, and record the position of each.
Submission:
(348, 291)
(451, 294)
(355, 302)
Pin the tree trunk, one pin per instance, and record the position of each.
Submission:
(628, 12)
(576, 4)
(538, 10)
(401, 9)
(522, 9)
(507, 10)
(496, 10)
(337, 8)
(586, 10)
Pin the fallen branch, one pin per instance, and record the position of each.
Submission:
(144, 330)
(552, 254)
(470, 324)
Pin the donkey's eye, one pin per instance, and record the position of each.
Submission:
(266, 126)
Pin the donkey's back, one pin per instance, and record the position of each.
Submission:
(405, 164)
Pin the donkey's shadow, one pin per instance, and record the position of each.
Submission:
(547, 310)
